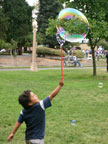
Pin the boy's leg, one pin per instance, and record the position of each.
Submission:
(35, 141)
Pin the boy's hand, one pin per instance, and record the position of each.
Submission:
(61, 83)
(16, 126)
(56, 90)
(10, 137)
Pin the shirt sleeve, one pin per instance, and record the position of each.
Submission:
(45, 103)
(20, 119)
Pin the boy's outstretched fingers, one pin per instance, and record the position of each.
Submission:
(10, 137)
(61, 83)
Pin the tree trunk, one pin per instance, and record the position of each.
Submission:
(20, 50)
(25, 49)
(93, 54)
(94, 62)
(12, 58)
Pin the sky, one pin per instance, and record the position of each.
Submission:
(31, 2)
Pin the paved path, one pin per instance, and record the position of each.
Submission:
(28, 69)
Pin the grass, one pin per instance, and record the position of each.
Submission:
(80, 100)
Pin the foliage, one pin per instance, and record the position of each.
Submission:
(7, 46)
(73, 26)
(51, 30)
(41, 50)
(27, 40)
(103, 43)
(79, 53)
(40, 38)
(14, 44)
(2, 44)
(3, 24)
(20, 19)
(47, 9)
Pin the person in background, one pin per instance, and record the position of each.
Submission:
(76, 61)
(86, 53)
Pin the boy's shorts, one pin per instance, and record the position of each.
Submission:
(35, 141)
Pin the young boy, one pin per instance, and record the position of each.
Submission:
(33, 114)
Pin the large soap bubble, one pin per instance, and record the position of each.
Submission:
(72, 25)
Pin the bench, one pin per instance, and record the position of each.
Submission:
(68, 61)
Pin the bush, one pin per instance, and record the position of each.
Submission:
(2, 44)
(79, 53)
(41, 50)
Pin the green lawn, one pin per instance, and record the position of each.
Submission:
(80, 100)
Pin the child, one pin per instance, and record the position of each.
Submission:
(33, 114)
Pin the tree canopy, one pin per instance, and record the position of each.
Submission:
(47, 9)
(20, 19)
(3, 24)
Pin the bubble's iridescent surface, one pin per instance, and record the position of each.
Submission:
(76, 24)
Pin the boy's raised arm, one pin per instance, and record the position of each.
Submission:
(16, 126)
(57, 89)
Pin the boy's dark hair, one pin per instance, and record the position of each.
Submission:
(24, 99)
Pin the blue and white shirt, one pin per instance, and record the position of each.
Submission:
(34, 119)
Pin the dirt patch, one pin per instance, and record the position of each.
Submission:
(26, 61)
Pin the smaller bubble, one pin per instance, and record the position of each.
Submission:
(100, 85)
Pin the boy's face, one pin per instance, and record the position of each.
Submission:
(33, 99)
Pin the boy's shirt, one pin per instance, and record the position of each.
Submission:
(34, 119)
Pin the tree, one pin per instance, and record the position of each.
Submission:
(13, 48)
(2, 43)
(29, 40)
(20, 20)
(96, 12)
(47, 9)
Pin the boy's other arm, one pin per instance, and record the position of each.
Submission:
(16, 126)
(57, 89)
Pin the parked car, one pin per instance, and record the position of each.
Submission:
(2, 50)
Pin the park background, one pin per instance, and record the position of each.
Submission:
(81, 98)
